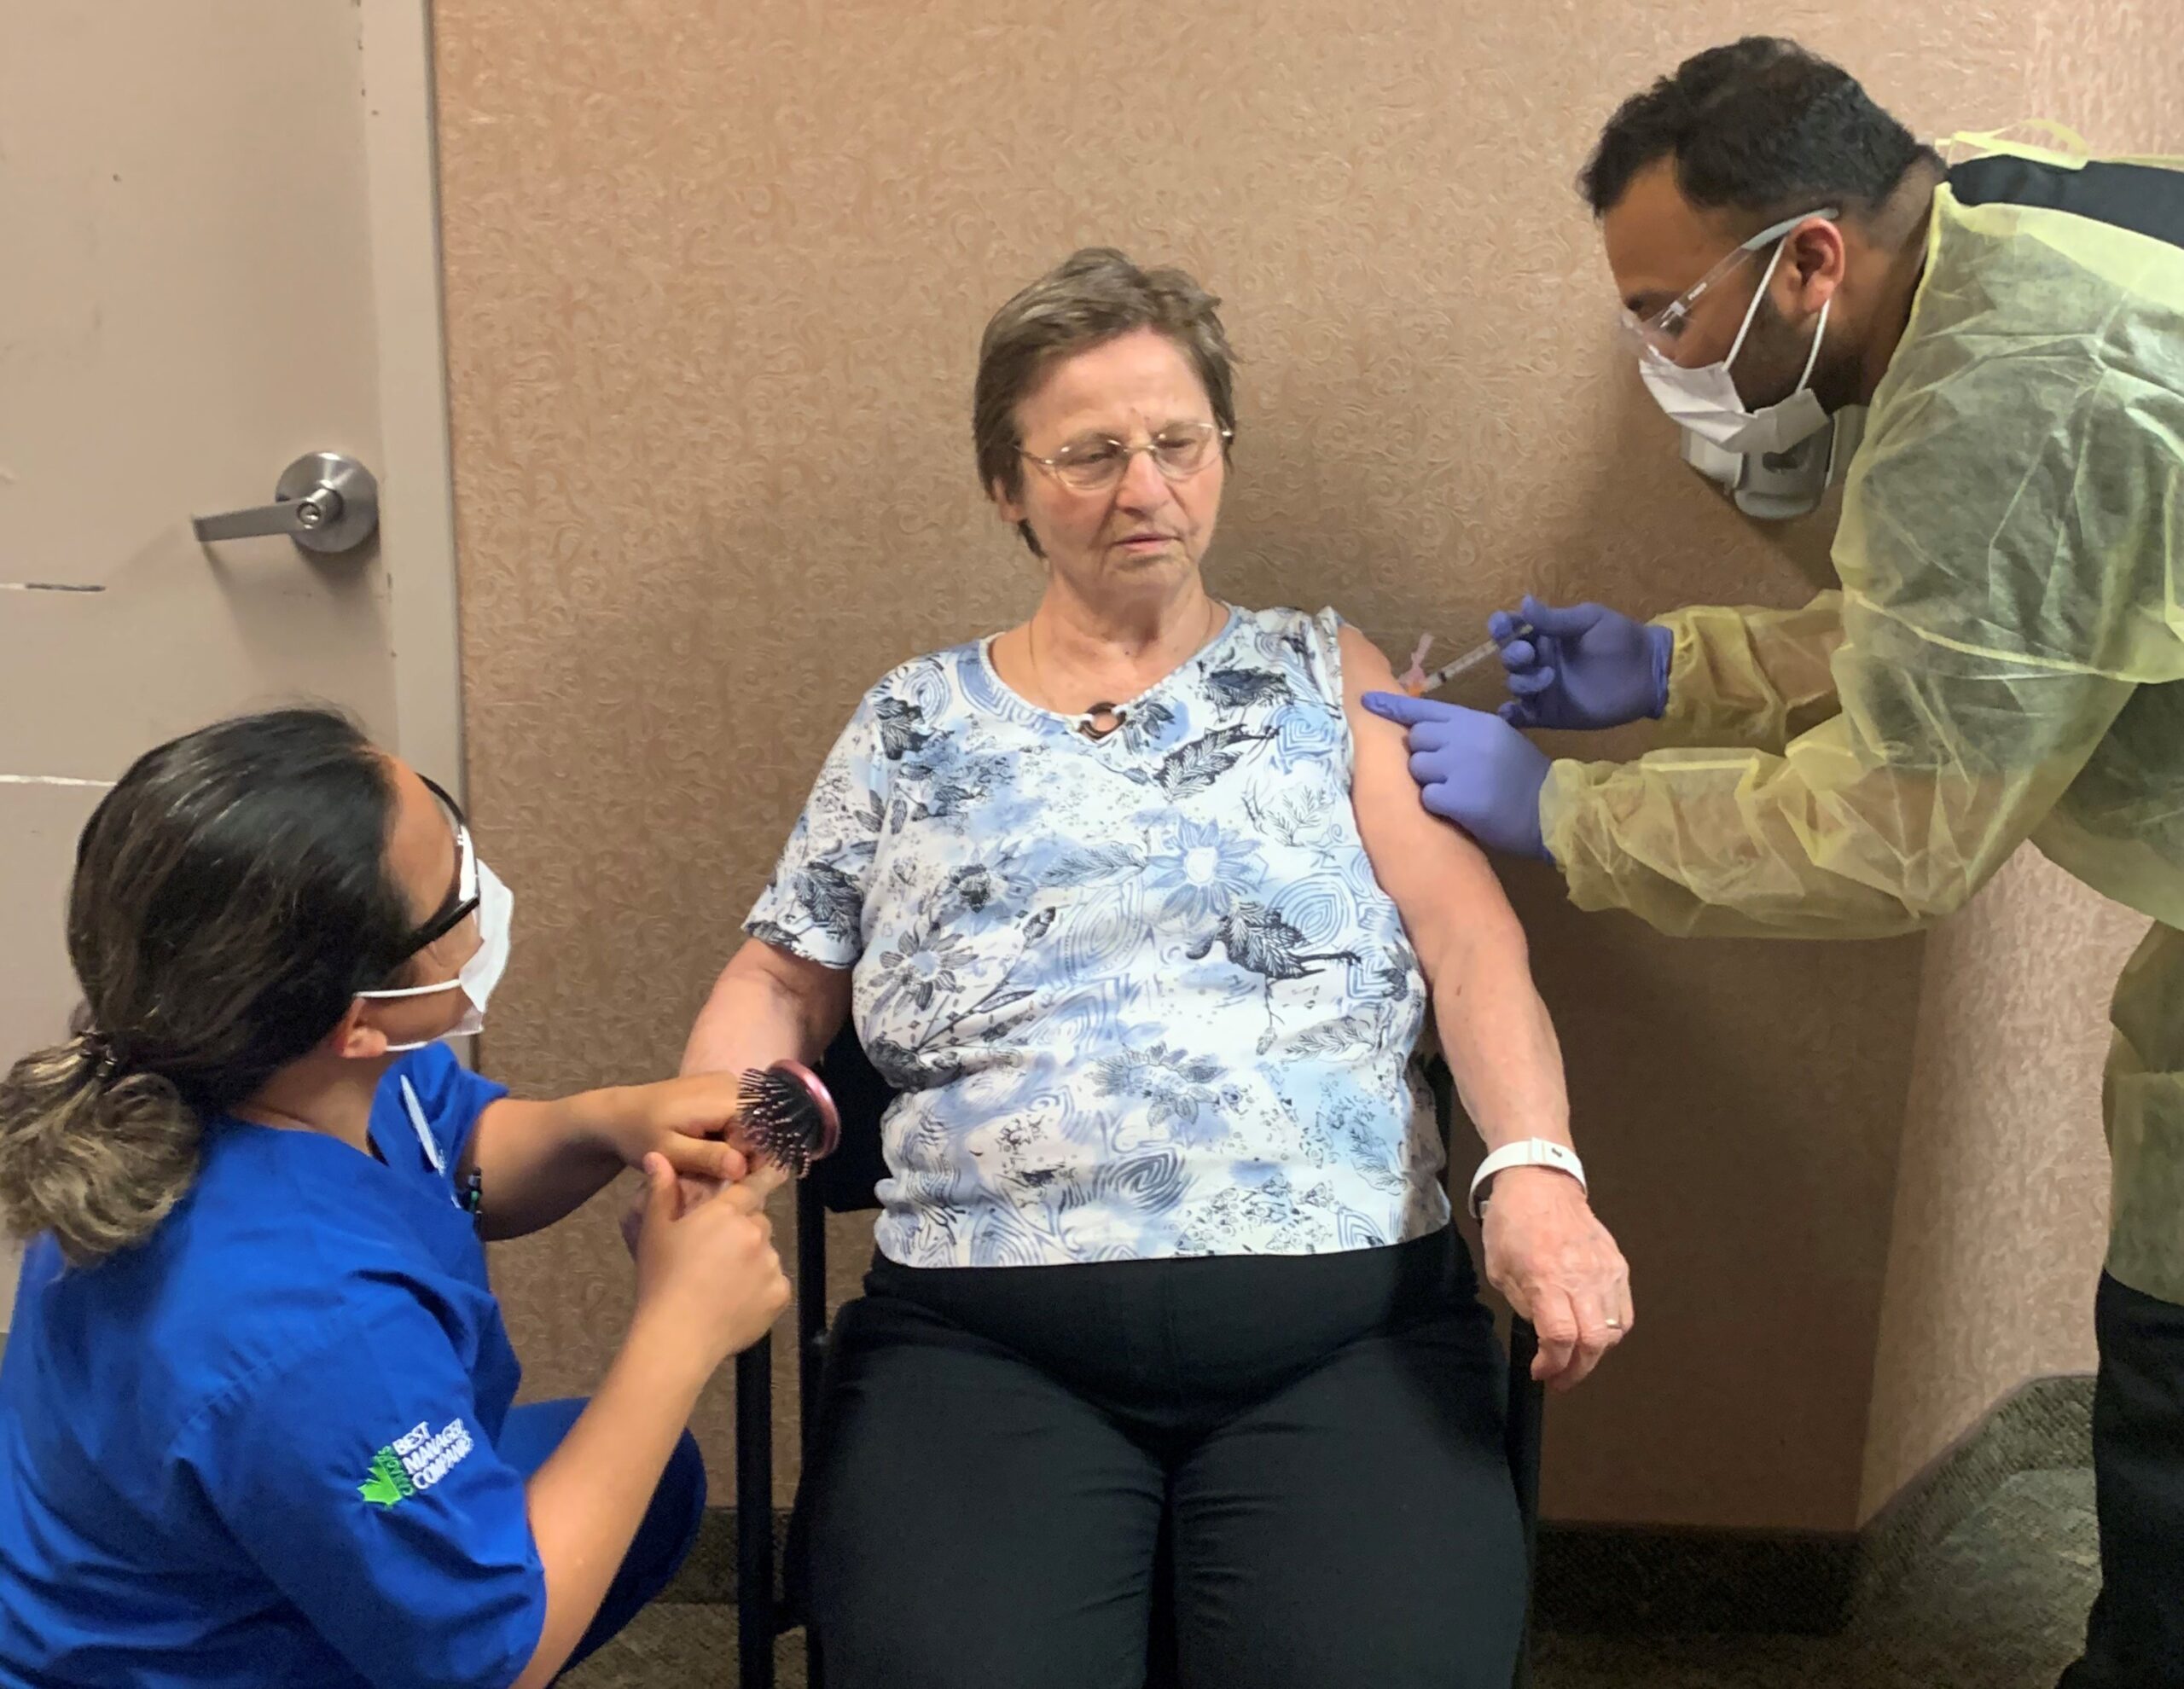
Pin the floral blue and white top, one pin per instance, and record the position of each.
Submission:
(1142, 995)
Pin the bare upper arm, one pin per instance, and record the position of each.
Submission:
(1443, 886)
(801, 977)
(816, 996)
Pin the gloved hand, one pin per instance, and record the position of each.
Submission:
(1473, 769)
(1586, 666)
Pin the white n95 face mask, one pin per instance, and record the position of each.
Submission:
(1705, 400)
(477, 977)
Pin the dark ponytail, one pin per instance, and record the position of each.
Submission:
(231, 896)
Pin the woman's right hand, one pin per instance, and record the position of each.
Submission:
(708, 1276)
(1549, 1254)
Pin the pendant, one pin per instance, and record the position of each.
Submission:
(1100, 720)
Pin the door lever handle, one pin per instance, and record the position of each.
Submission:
(323, 501)
(293, 516)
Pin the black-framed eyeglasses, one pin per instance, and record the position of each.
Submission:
(461, 901)
(1098, 461)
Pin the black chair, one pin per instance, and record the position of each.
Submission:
(844, 1183)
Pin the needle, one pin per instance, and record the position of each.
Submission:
(1456, 667)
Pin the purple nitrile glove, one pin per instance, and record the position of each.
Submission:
(1586, 666)
(1472, 769)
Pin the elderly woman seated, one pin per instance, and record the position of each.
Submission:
(1138, 910)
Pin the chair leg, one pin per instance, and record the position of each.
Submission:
(755, 1623)
(1523, 1430)
(811, 1310)
(810, 1365)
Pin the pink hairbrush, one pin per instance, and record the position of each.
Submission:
(787, 1116)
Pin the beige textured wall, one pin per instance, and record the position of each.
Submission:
(716, 273)
(2001, 1198)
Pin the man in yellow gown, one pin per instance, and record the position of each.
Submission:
(2004, 660)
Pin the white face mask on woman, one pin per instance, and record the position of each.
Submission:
(1705, 400)
(477, 977)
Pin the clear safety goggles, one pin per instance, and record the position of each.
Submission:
(1661, 330)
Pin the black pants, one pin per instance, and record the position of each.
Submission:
(1302, 1455)
(2135, 1637)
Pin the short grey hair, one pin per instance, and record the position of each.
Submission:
(1091, 297)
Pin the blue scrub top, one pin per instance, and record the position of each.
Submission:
(259, 1448)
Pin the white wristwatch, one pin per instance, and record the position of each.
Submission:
(1528, 1152)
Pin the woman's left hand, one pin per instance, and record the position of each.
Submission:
(690, 1192)
(685, 1120)
(1549, 1255)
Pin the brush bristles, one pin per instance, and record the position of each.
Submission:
(785, 1116)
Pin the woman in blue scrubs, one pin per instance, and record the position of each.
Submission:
(255, 1419)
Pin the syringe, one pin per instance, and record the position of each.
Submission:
(1458, 667)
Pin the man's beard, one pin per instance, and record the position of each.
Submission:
(1773, 357)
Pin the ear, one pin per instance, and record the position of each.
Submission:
(1010, 510)
(1818, 257)
(354, 1038)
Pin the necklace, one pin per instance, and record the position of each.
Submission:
(1102, 719)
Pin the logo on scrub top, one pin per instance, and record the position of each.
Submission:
(417, 1459)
